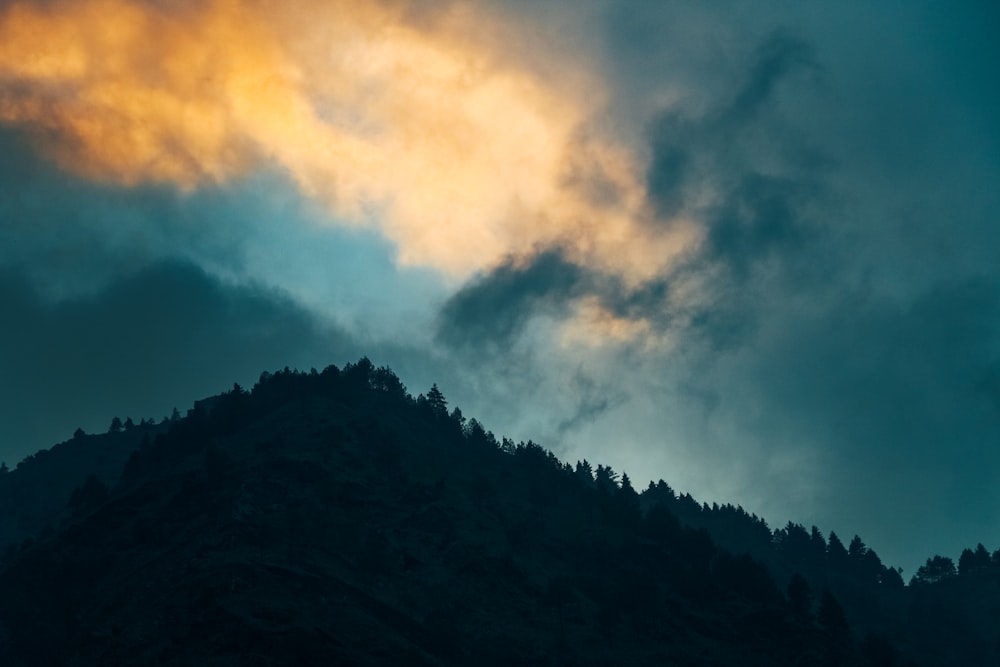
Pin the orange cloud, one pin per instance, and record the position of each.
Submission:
(421, 125)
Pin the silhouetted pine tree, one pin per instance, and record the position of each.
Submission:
(892, 578)
(606, 479)
(437, 402)
(836, 554)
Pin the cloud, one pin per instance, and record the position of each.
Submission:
(71, 237)
(422, 124)
(755, 207)
(161, 337)
(781, 54)
(698, 144)
(719, 144)
(886, 396)
(761, 215)
(492, 310)
(595, 400)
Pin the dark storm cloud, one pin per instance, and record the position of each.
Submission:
(688, 145)
(70, 236)
(762, 232)
(159, 338)
(492, 310)
(761, 217)
(692, 145)
(719, 148)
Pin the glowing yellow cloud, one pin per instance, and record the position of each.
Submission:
(422, 125)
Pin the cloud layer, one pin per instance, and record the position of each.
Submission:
(158, 337)
(414, 122)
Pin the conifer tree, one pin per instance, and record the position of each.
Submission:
(437, 402)
(892, 577)
(817, 546)
(606, 479)
(857, 549)
(626, 486)
(836, 554)
(970, 560)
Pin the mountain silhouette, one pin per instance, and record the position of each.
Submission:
(331, 518)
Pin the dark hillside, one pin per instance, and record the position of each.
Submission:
(34, 495)
(330, 518)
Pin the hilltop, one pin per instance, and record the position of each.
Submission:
(333, 518)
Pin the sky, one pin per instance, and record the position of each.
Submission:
(752, 249)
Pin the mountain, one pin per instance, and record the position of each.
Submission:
(332, 518)
(35, 495)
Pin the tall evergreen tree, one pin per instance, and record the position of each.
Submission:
(817, 547)
(836, 554)
(857, 549)
(970, 560)
(437, 402)
(626, 487)
(793, 541)
(606, 479)
(892, 577)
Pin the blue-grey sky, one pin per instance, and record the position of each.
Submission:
(749, 249)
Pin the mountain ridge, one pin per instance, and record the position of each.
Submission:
(342, 486)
